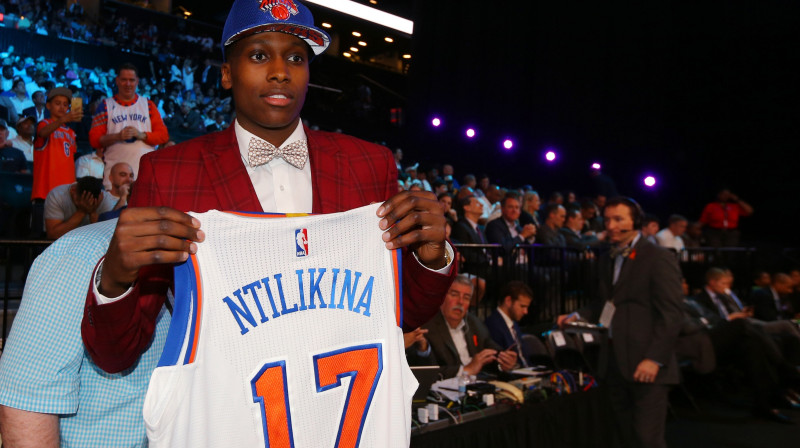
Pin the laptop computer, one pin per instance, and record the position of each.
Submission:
(426, 376)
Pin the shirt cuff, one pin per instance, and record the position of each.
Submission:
(425, 353)
(100, 298)
(445, 270)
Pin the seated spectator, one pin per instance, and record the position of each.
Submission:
(693, 238)
(772, 303)
(721, 219)
(592, 216)
(121, 178)
(24, 139)
(549, 235)
(12, 160)
(670, 237)
(530, 209)
(571, 231)
(493, 197)
(650, 227)
(90, 164)
(447, 204)
(459, 341)
(503, 323)
(20, 100)
(70, 206)
(507, 231)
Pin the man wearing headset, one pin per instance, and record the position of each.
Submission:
(639, 292)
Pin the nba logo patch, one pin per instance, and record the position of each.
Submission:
(301, 242)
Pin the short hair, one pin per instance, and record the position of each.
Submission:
(586, 205)
(550, 209)
(463, 279)
(509, 195)
(128, 66)
(649, 217)
(573, 212)
(676, 218)
(441, 195)
(91, 184)
(714, 274)
(633, 206)
(468, 178)
(515, 289)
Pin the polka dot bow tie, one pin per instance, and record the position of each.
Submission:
(260, 152)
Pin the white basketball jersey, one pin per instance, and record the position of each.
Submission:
(285, 334)
(120, 117)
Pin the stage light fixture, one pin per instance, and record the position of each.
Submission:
(470, 133)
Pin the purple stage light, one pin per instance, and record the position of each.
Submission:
(550, 156)
(436, 122)
(650, 181)
(595, 166)
(508, 144)
(470, 132)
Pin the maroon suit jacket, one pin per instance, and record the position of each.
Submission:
(208, 173)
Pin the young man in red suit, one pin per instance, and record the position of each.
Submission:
(266, 161)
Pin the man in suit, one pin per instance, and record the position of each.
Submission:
(467, 231)
(571, 231)
(38, 111)
(554, 217)
(503, 323)
(640, 303)
(507, 231)
(459, 341)
(772, 303)
(266, 161)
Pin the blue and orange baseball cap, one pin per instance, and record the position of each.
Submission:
(248, 17)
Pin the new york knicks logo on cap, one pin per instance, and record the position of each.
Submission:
(301, 242)
(280, 9)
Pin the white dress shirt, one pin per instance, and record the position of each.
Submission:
(668, 240)
(280, 187)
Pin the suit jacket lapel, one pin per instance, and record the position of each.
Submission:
(328, 169)
(444, 330)
(228, 176)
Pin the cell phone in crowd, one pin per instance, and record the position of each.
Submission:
(77, 104)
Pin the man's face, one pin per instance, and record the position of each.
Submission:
(25, 128)
(600, 201)
(516, 309)
(456, 302)
(475, 206)
(557, 217)
(121, 174)
(575, 221)
(268, 73)
(717, 285)
(447, 203)
(588, 213)
(651, 228)
(19, 87)
(483, 183)
(3, 136)
(126, 83)
(783, 287)
(493, 194)
(678, 228)
(58, 106)
(511, 210)
(447, 170)
(619, 224)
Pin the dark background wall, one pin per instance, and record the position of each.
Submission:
(698, 94)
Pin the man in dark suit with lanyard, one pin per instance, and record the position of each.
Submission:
(503, 323)
(640, 304)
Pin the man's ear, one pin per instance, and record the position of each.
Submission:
(225, 80)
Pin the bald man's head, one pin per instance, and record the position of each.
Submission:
(121, 174)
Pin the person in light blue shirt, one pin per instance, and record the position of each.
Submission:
(51, 394)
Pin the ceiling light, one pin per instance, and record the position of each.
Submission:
(388, 39)
(362, 43)
(326, 25)
(354, 49)
(406, 56)
(368, 13)
(356, 33)
(346, 54)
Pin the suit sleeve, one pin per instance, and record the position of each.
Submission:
(116, 334)
(666, 301)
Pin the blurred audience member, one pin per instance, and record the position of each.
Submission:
(721, 219)
(24, 139)
(650, 227)
(70, 206)
(670, 236)
(530, 209)
(549, 234)
(90, 164)
(693, 238)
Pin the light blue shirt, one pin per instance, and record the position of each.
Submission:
(44, 367)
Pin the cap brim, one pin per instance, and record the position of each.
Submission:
(317, 40)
